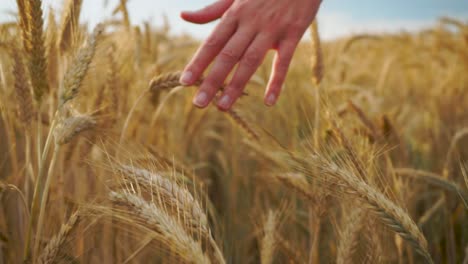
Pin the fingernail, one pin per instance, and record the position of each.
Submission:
(186, 77)
(201, 99)
(271, 99)
(225, 102)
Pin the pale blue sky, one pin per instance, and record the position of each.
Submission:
(336, 17)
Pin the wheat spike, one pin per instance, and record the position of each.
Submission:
(268, 242)
(69, 24)
(244, 125)
(52, 251)
(298, 183)
(51, 50)
(436, 180)
(25, 105)
(171, 80)
(176, 236)
(36, 50)
(73, 126)
(77, 71)
(23, 9)
(391, 214)
(167, 81)
(365, 120)
(353, 223)
(172, 192)
(317, 58)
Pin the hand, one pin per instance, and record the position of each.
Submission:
(245, 33)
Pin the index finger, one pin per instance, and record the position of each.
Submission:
(209, 50)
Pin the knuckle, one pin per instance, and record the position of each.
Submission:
(228, 56)
(251, 58)
(236, 11)
(231, 15)
(238, 8)
(271, 30)
(296, 28)
(212, 41)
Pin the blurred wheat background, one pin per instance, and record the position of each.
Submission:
(105, 160)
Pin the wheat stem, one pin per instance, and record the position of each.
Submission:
(37, 195)
(45, 194)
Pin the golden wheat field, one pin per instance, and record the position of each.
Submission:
(104, 159)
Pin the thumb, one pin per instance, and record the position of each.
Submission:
(207, 14)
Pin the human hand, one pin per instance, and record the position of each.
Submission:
(245, 33)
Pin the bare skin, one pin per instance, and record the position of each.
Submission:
(247, 30)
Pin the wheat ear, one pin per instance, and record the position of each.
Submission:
(51, 50)
(172, 80)
(52, 251)
(317, 58)
(36, 50)
(76, 73)
(69, 128)
(390, 214)
(69, 24)
(353, 224)
(268, 243)
(167, 81)
(436, 180)
(243, 124)
(175, 235)
(172, 193)
(23, 9)
(25, 105)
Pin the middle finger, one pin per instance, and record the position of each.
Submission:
(223, 65)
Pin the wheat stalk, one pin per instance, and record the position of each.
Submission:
(459, 135)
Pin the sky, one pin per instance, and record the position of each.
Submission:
(336, 18)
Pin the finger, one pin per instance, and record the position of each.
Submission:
(208, 51)
(208, 13)
(249, 63)
(281, 64)
(224, 63)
